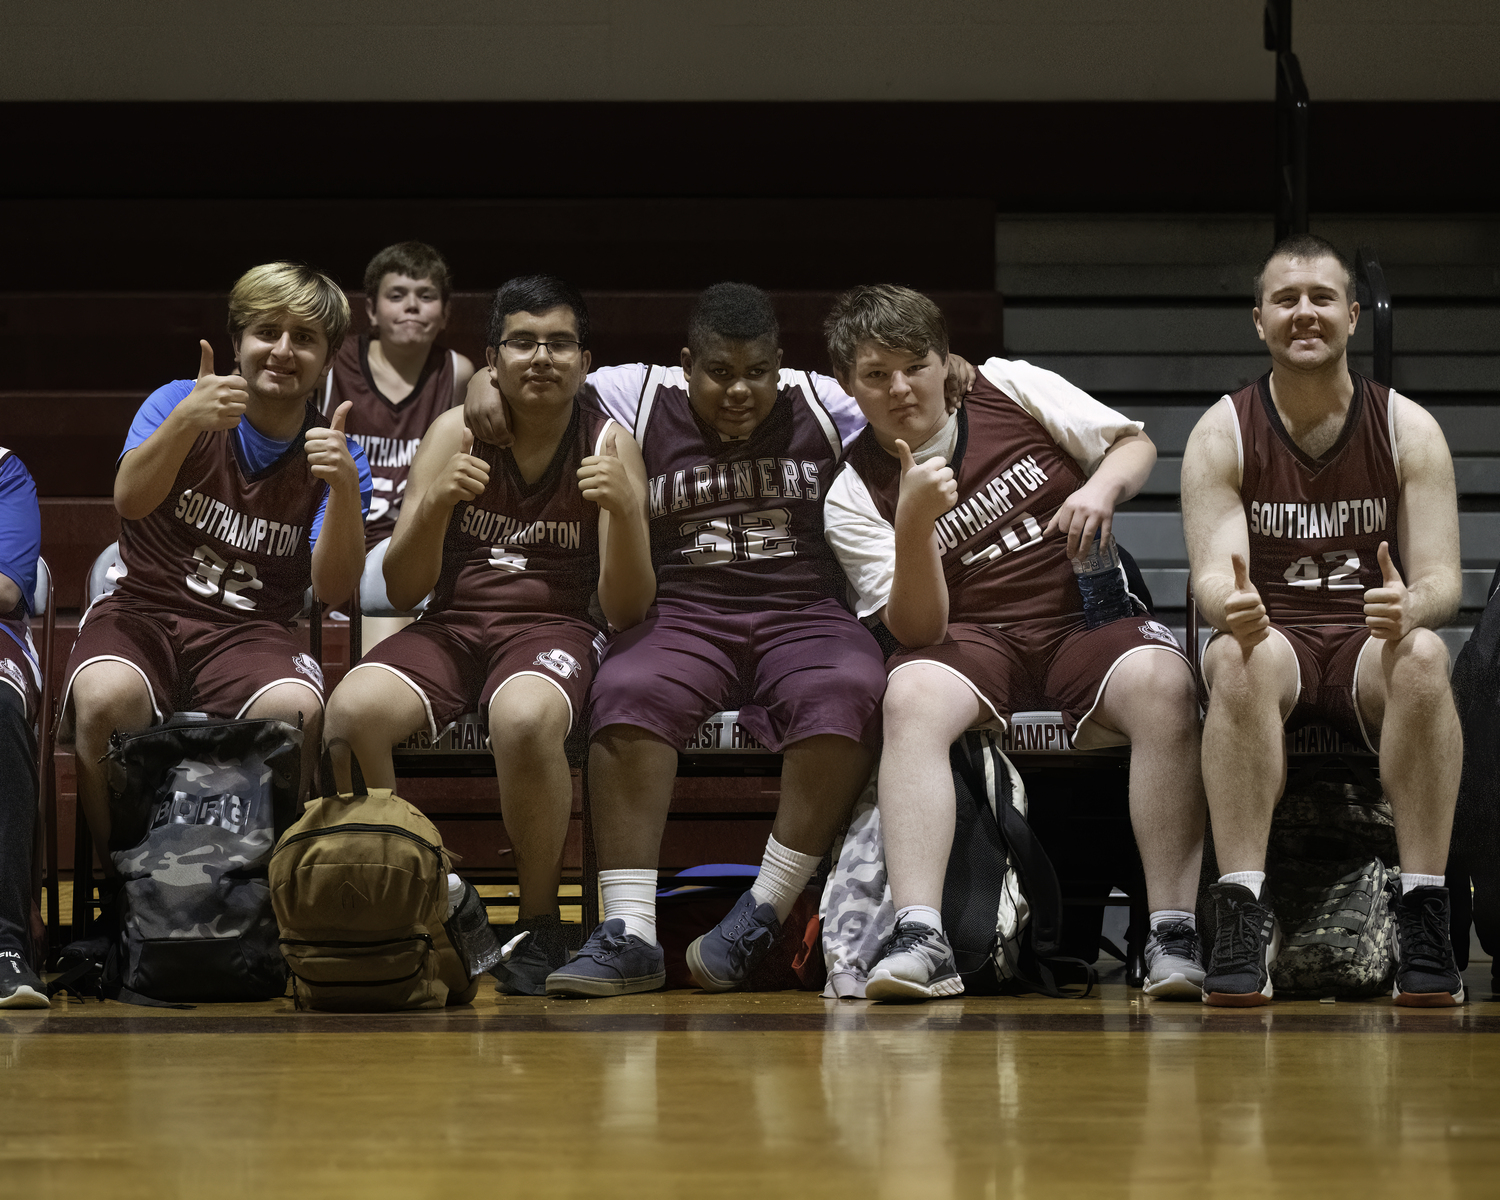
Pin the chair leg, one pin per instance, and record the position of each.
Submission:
(83, 877)
(1135, 942)
(590, 859)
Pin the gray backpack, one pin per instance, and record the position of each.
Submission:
(196, 806)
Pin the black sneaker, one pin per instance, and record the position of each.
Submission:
(19, 985)
(1245, 944)
(534, 950)
(1426, 971)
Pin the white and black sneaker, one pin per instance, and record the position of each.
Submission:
(19, 985)
(1426, 969)
(1246, 939)
(1174, 962)
(917, 965)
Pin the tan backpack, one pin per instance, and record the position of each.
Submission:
(360, 889)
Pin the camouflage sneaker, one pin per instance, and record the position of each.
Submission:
(1426, 973)
(917, 965)
(1245, 945)
(535, 949)
(1174, 962)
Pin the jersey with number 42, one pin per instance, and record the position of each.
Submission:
(227, 543)
(1316, 524)
(739, 524)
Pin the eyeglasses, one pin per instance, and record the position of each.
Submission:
(558, 351)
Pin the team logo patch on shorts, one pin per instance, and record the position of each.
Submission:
(306, 666)
(559, 662)
(12, 671)
(1159, 632)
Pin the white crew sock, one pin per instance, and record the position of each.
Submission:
(1250, 879)
(1409, 881)
(1162, 915)
(923, 914)
(631, 896)
(783, 875)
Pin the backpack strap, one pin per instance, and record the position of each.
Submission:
(328, 786)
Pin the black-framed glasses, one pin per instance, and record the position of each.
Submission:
(559, 350)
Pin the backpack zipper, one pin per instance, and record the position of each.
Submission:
(356, 827)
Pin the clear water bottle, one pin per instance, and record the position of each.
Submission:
(1101, 583)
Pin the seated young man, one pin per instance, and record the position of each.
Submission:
(990, 620)
(399, 380)
(234, 496)
(749, 612)
(1322, 527)
(516, 542)
(20, 697)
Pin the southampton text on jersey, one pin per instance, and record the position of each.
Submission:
(497, 528)
(1335, 519)
(721, 483)
(238, 529)
(971, 517)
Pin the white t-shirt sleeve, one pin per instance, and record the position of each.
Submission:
(863, 541)
(618, 390)
(1077, 422)
(840, 405)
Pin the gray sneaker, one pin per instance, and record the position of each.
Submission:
(611, 963)
(723, 958)
(534, 950)
(917, 965)
(1174, 962)
(19, 985)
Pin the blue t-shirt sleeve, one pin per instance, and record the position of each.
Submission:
(152, 413)
(366, 490)
(20, 527)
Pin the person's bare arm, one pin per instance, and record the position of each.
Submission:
(484, 410)
(1218, 539)
(338, 557)
(10, 593)
(1427, 594)
(463, 372)
(443, 473)
(615, 480)
(1091, 509)
(917, 611)
(146, 473)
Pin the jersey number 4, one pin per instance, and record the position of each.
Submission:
(743, 537)
(1337, 571)
(218, 579)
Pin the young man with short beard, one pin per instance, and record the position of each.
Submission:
(1322, 527)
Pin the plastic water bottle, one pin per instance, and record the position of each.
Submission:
(1101, 583)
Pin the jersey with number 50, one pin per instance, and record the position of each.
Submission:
(228, 543)
(1316, 524)
(738, 524)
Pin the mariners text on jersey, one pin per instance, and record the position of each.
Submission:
(240, 530)
(749, 479)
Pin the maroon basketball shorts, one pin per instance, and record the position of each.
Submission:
(1327, 677)
(1042, 665)
(793, 674)
(17, 672)
(192, 665)
(457, 661)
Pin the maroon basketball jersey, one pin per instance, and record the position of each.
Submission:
(388, 431)
(739, 525)
(1012, 477)
(1316, 524)
(227, 544)
(520, 547)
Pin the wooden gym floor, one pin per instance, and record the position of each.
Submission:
(681, 1094)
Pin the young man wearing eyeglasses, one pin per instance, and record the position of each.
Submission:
(513, 543)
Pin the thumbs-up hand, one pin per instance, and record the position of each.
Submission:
(485, 411)
(463, 476)
(928, 489)
(1243, 611)
(1388, 607)
(603, 479)
(216, 401)
(328, 455)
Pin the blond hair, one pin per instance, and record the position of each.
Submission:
(283, 287)
(888, 314)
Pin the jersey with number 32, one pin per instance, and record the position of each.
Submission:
(1316, 524)
(228, 543)
(738, 525)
